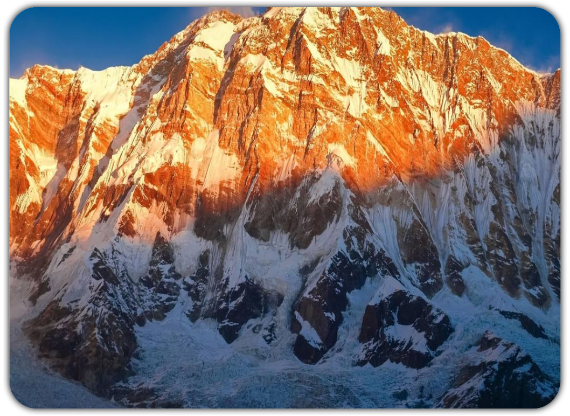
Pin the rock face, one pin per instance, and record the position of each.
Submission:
(160, 287)
(270, 177)
(528, 324)
(500, 375)
(401, 328)
(91, 341)
(245, 301)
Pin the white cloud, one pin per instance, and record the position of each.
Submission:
(242, 11)
(446, 28)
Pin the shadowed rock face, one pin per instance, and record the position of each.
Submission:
(418, 249)
(160, 288)
(453, 276)
(92, 343)
(528, 324)
(197, 286)
(231, 307)
(245, 301)
(500, 375)
(321, 307)
(403, 329)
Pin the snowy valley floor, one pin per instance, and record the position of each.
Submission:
(190, 365)
(182, 364)
(203, 371)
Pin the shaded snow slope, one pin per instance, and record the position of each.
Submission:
(32, 382)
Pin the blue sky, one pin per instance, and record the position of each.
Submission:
(101, 37)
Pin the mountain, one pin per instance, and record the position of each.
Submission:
(313, 207)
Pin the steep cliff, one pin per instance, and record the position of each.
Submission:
(328, 185)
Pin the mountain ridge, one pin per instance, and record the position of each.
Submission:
(260, 178)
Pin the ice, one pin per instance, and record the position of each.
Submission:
(110, 89)
(316, 20)
(431, 37)
(407, 334)
(214, 374)
(273, 11)
(374, 142)
(388, 286)
(324, 185)
(350, 70)
(254, 62)
(221, 166)
(286, 168)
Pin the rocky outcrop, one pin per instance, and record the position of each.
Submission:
(499, 375)
(233, 306)
(197, 286)
(528, 324)
(402, 328)
(160, 287)
(91, 342)
(247, 300)
(319, 310)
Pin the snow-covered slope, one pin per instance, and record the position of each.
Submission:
(324, 197)
(31, 381)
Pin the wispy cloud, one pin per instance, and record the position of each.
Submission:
(435, 20)
(242, 11)
(33, 56)
(527, 56)
(550, 65)
(530, 45)
(499, 39)
(445, 28)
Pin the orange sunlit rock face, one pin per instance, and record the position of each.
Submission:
(296, 88)
(232, 106)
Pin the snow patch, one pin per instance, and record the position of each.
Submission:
(222, 166)
(384, 47)
(198, 53)
(110, 89)
(308, 332)
(350, 70)
(17, 90)
(374, 142)
(216, 35)
(408, 334)
(338, 150)
(324, 185)
(388, 286)
(253, 62)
